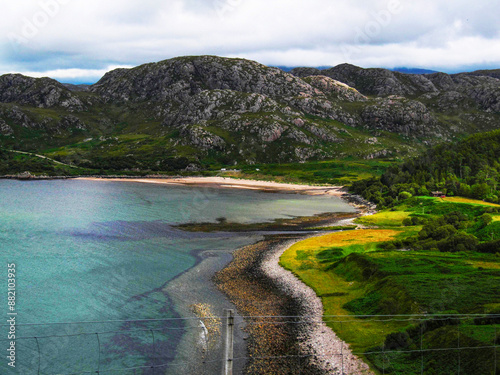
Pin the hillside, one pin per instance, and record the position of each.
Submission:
(468, 168)
(193, 113)
(425, 256)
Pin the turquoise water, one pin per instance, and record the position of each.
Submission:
(100, 251)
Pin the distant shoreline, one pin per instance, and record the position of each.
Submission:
(226, 182)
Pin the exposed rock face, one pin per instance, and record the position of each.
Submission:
(306, 72)
(270, 133)
(483, 90)
(242, 111)
(441, 81)
(214, 104)
(41, 92)
(16, 115)
(483, 87)
(233, 94)
(399, 115)
(178, 79)
(378, 82)
(72, 122)
(202, 138)
(335, 89)
(488, 73)
(5, 129)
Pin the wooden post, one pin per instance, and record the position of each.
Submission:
(229, 343)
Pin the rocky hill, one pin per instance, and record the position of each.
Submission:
(190, 112)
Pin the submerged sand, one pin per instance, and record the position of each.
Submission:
(259, 287)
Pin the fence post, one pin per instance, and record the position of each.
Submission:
(229, 343)
(39, 355)
(99, 353)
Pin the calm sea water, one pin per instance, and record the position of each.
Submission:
(101, 251)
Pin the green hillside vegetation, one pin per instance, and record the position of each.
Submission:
(333, 172)
(424, 256)
(469, 168)
(14, 163)
(200, 113)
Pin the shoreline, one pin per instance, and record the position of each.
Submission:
(197, 353)
(280, 292)
(255, 295)
(231, 183)
(317, 341)
(313, 345)
(259, 287)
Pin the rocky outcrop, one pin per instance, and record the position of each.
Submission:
(465, 88)
(485, 91)
(305, 72)
(198, 137)
(37, 92)
(5, 129)
(335, 89)
(399, 115)
(22, 118)
(237, 110)
(71, 122)
(482, 87)
(494, 73)
(178, 79)
(19, 117)
(377, 82)
(218, 104)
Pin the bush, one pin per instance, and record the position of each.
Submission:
(407, 222)
(404, 195)
(489, 247)
(458, 242)
(397, 340)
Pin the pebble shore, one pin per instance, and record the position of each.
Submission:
(259, 287)
(301, 343)
(317, 341)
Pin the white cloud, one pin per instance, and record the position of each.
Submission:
(89, 75)
(93, 34)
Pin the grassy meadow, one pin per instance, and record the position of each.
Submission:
(367, 275)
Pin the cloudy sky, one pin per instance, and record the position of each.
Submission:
(79, 40)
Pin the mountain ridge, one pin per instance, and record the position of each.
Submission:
(208, 110)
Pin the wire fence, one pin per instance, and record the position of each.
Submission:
(392, 344)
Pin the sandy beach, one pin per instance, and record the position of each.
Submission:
(232, 183)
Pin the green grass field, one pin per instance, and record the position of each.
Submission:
(385, 219)
(334, 172)
(468, 201)
(356, 278)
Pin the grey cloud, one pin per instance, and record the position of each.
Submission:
(94, 34)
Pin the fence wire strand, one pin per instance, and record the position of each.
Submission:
(384, 351)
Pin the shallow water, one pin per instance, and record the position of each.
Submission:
(90, 251)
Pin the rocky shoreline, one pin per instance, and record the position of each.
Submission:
(272, 347)
(318, 343)
(259, 287)
(299, 342)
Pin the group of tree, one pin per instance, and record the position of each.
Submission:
(11, 163)
(452, 232)
(468, 168)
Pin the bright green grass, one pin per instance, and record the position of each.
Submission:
(334, 172)
(385, 219)
(468, 201)
(353, 277)
(310, 260)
